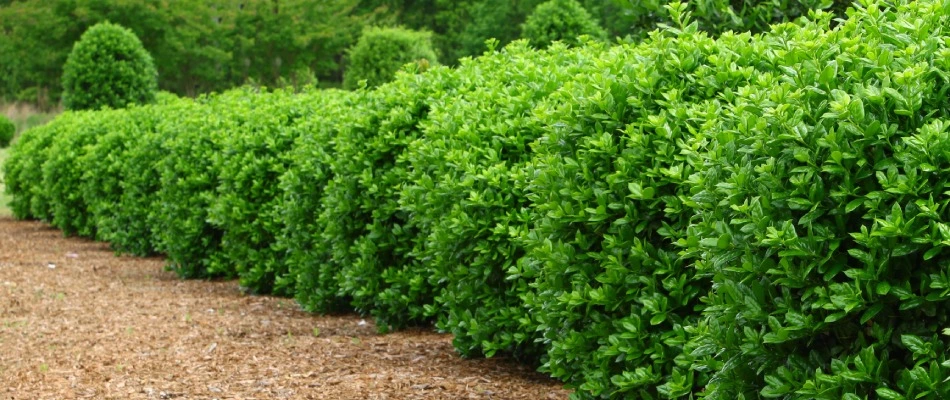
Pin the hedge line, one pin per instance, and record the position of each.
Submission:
(746, 216)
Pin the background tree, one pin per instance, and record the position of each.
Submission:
(292, 38)
(34, 43)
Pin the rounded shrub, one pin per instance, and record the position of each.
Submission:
(189, 178)
(108, 67)
(381, 52)
(7, 130)
(613, 293)
(63, 172)
(560, 20)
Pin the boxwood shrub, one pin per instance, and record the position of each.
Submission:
(23, 170)
(100, 182)
(108, 67)
(188, 182)
(383, 51)
(63, 172)
(613, 290)
(560, 20)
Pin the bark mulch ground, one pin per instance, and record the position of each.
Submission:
(78, 322)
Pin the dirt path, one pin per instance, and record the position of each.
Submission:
(78, 322)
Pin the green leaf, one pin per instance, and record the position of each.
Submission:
(883, 288)
(828, 74)
(835, 317)
(648, 193)
(933, 252)
(724, 241)
(862, 256)
(914, 343)
(888, 394)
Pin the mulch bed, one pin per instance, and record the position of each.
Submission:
(78, 322)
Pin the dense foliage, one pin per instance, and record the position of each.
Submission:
(381, 52)
(7, 130)
(108, 67)
(739, 216)
(366, 234)
(821, 207)
(560, 20)
(248, 205)
(464, 193)
(302, 188)
(121, 175)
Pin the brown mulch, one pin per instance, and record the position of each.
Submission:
(78, 322)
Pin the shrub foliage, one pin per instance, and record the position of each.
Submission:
(247, 204)
(735, 217)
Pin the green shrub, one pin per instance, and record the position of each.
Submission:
(247, 167)
(63, 172)
(822, 215)
(251, 163)
(23, 169)
(7, 130)
(612, 295)
(720, 16)
(364, 233)
(634, 20)
(748, 216)
(121, 176)
(560, 20)
(381, 52)
(108, 67)
(188, 183)
(464, 192)
(302, 186)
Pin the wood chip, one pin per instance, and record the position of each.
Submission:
(99, 326)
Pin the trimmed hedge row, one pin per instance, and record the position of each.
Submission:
(747, 216)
